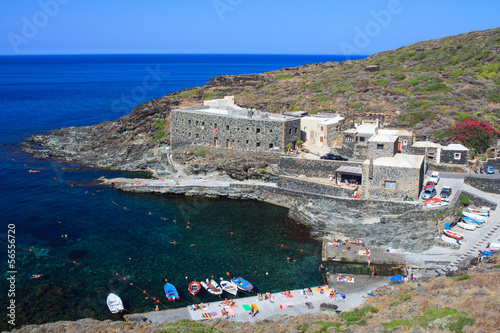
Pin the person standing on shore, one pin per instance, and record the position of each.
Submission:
(373, 270)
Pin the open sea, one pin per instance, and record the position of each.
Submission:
(88, 240)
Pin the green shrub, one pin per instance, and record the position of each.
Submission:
(355, 317)
(392, 304)
(419, 56)
(464, 200)
(405, 297)
(160, 131)
(461, 277)
(258, 85)
(400, 76)
(437, 87)
(202, 152)
(414, 81)
(284, 77)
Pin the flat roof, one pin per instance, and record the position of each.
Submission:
(350, 169)
(225, 113)
(428, 144)
(400, 161)
(329, 121)
(383, 138)
(455, 146)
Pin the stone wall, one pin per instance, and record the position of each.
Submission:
(408, 182)
(311, 168)
(381, 149)
(212, 129)
(225, 153)
(448, 156)
(447, 168)
(490, 185)
(311, 187)
(352, 150)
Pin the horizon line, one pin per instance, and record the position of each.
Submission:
(114, 54)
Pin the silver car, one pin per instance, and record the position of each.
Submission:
(429, 193)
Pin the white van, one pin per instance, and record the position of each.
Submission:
(434, 177)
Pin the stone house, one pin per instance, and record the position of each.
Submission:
(381, 145)
(436, 153)
(393, 177)
(320, 130)
(229, 126)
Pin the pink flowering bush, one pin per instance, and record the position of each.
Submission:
(474, 134)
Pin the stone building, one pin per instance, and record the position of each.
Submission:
(320, 130)
(393, 177)
(229, 126)
(382, 145)
(436, 153)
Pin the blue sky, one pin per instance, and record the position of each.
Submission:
(234, 26)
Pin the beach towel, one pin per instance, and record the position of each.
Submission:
(246, 307)
(206, 315)
(230, 312)
(362, 252)
(288, 296)
(319, 292)
(286, 305)
(212, 314)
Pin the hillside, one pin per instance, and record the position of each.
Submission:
(426, 86)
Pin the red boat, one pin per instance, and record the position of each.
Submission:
(453, 234)
(194, 287)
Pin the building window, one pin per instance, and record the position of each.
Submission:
(215, 127)
(196, 123)
(189, 134)
(189, 122)
(271, 146)
(202, 123)
(257, 144)
(405, 142)
(270, 131)
(257, 130)
(290, 131)
(247, 128)
(197, 136)
(322, 128)
(361, 139)
(380, 146)
(457, 156)
(227, 127)
(389, 184)
(246, 141)
(295, 130)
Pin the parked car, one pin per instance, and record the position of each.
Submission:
(435, 177)
(489, 169)
(446, 193)
(429, 193)
(333, 157)
(429, 184)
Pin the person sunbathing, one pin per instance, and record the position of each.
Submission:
(348, 279)
(288, 293)
(226, 302)
(224, 312)
(268, 295)
(331, 294)
(259, 296)
(309, 291)
(320, 289)
(232, 304)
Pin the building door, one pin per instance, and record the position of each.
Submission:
(215, 141)
(321, 139)
(399, 146)
(227, 143)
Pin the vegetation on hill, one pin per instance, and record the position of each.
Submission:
(427, 86)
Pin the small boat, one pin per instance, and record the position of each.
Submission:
(115, 303)
(212, 287)
(242, 284)
(447, 239)
(453, 234)
(171, 292)
(475, 216)
(483, 211)
(229, 287)
(467, 226)
(469, 220)
(194, 287)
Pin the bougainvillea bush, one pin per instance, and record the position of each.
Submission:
(474, 134)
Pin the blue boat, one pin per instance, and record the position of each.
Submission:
(472, 221)
(171, 292)
(242, 284)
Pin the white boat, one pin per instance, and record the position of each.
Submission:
(229, 287)
(484, 211)
(447, 239)
(467, 226)
(212, 287)
(115, 303)
(475, 216)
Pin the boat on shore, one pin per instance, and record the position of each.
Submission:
(447, 239)
(229, 287)
(470, 220)
(467, 226)
(194, 288)
(474, 216)
(483, 211)
(114, 302)
(242, 284)
(212, 287)
(453, 234)
(171, 292)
